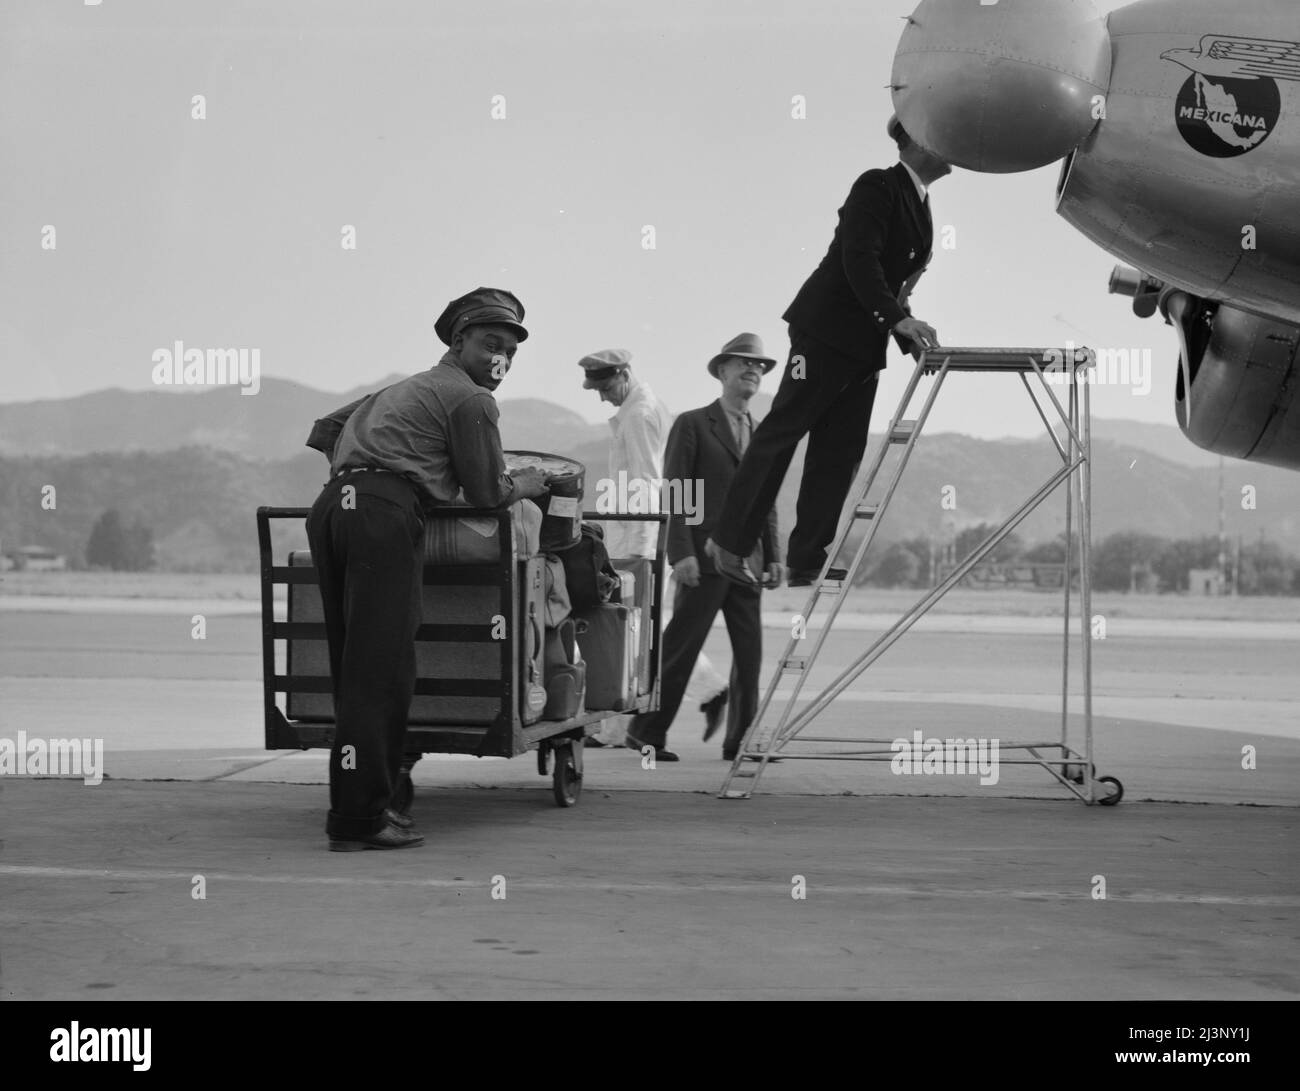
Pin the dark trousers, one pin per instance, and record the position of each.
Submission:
(694, 609)
(367, 546)
(829, 399)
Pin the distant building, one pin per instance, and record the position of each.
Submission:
(1204, 581)
(36, 559)
(999, 575)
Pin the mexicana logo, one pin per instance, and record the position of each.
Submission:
(1230, 103)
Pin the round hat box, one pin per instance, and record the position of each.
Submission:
(562, 506)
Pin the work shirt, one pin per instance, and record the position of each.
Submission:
(922, 190)
(438, 429)
(640, 432)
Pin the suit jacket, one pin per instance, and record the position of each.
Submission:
(882, 243)
(702, 449)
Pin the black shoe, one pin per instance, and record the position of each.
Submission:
(593, 742)
(713, 710)
(728, 757)
(806, 577)
(660, 753)
(390, 837)
(401, 821)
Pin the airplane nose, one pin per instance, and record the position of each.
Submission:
(1001, 87)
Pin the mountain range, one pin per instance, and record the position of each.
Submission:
(195, 466)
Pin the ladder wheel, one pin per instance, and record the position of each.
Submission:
(1116, 793)
(566, 781)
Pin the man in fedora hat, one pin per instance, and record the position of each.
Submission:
(422, 442)
(639, 432)
(705, 447)
(840, 324)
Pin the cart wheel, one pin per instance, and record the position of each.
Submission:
(403, 793)
(1116, 794)
(1073, 772)
(566, 781)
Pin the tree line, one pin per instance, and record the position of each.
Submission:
(118, 545)
(1123, 561)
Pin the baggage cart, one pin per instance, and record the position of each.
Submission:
(493, 660)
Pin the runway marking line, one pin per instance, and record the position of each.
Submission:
(147, 875)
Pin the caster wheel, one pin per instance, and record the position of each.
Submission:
(403, 793)
(566, 780)
(1116, 791)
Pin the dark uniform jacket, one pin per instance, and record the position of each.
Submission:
(859, 291)
(702, 448)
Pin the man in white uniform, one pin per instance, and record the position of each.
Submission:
(640, 433)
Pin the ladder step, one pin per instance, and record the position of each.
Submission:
(795, 663)
(866, 511)
(902, 431)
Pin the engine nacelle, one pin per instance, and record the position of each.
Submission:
(1001, 87)
(1238, 389)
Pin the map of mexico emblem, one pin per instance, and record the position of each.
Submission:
(1231, 103)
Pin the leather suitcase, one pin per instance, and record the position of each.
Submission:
(532, 615)
(443, 605)
(463, 540)
(642, 571)
(566, 673)
(609, 651)
(566, 690)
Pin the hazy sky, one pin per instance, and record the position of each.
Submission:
(226, 232)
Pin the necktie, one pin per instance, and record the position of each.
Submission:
(742, 432)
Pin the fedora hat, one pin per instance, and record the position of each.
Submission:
(749, 346)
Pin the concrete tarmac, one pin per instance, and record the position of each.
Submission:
(913, 887)
(642, 894)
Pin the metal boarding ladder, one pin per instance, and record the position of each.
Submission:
(770, 733)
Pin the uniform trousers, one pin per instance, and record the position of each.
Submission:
(694, 609)
(366, 532)
(826, 395)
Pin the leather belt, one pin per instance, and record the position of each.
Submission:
(360, 470)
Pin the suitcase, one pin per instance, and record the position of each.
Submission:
(642, 596)
(441, 660)
(566, 690)
(558, 606)
(566, 673)
(609, 651)
(473, 540)
(532, 614)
